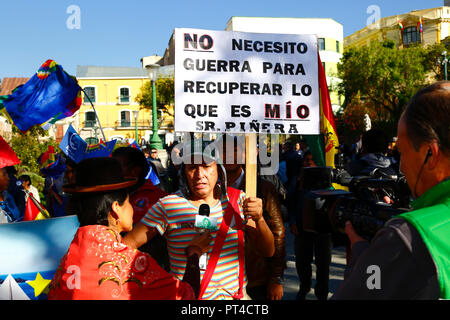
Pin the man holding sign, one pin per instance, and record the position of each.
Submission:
(174, 216)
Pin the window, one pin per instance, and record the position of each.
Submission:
(91, 140)
(411, 35)
(125, 117)
(89, 92)
(321, 43)
(89, 119)
(124, 95)
(337, 46)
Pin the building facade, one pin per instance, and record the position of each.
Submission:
(330, 36)
(428, 26)
(113, 91)
(7, 85)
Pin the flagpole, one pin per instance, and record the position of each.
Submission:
(421, 30)
(96, 116)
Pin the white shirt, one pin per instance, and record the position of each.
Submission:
(34, 192)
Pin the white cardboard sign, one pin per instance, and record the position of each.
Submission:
(241, 82)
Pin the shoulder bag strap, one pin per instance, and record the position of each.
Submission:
(219, 241)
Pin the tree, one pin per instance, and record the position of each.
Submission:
(350, 123)
(434, 58)
(28, 147)
(165, 95)
(384, 78)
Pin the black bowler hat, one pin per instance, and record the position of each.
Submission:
(99, 175)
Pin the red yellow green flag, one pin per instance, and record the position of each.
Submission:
(327, 125)
(323, 146)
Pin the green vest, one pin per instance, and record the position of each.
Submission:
(431, 218)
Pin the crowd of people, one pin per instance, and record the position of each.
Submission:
(142, 214)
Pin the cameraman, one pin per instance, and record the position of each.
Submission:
(409, 257)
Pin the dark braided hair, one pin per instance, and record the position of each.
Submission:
(93, 208)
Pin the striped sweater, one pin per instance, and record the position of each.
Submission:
(174, 216)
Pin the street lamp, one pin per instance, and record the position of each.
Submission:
(444, 62)
(135, 114)
(155, 140)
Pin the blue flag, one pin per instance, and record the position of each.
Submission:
(100, 150)
(152, 175)
(73, 145)
(51, 92)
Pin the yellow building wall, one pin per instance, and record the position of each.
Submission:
(108, 108)
(331, 69)
(435, 28)
(330, 45)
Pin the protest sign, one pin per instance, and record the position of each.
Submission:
(239, 82)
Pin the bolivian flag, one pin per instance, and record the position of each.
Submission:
(34, 210)
(323, 146)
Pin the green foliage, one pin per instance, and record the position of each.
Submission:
(165, 95)
(380, 79)
(350, 123)
(434, 59)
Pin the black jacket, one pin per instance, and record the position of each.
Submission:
(407, 270)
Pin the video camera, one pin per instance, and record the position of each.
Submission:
(325, 209)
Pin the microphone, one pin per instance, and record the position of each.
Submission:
(203, 222)
(200, 221)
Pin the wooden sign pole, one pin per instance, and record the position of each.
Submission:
(250, 164)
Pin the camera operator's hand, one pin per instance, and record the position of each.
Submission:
(351, 233)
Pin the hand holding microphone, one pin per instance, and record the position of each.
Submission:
(199, 244)
(204, 225)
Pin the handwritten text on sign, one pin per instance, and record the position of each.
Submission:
(246, 82)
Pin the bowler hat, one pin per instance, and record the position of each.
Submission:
(99, 175)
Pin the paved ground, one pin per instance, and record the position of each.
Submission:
(291, 284)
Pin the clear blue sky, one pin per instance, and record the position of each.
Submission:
(119, 33)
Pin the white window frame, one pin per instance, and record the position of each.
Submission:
(120, 118)
(324, 44)
(85, 115)
(129, 95)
